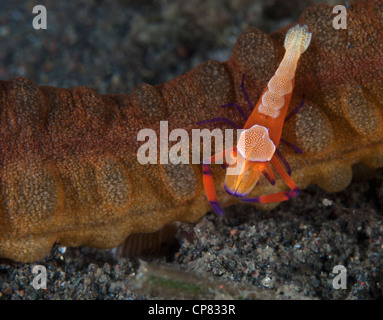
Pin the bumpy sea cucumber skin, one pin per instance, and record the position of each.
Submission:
(69, 171)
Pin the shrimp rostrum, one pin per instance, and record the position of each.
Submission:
(258, 142)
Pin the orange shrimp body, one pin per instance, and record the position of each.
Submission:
(258, 141)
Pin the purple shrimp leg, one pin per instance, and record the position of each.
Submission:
(238, 107)
(284, 161)
(296, 109)
(288, 117)
(251, 106)
(289, 194)
(267, 176)
(291, 145)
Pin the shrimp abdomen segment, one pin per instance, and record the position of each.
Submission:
(281, 84)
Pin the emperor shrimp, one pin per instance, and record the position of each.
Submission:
(258, 142)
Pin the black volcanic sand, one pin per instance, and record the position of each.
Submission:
(288, 252)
